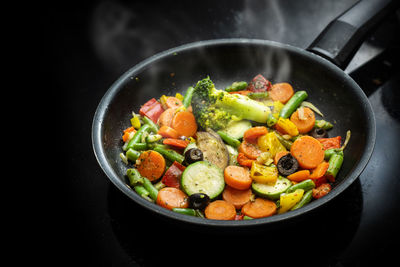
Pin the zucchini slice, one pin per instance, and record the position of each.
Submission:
(236, 129)
(270, 191)
(203, 177)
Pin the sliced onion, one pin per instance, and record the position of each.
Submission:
(346, 141)
(311, 106)
(302, 117)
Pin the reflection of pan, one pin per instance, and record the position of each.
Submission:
(329, 88)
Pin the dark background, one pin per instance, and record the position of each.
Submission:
(86, 46)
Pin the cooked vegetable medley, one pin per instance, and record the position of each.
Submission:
(249, 151)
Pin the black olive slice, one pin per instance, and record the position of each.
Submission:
(287, 165)
(319, 133)
(193, 155)
(199, 201)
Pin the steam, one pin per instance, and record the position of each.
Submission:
(121, 38)
(273, 24)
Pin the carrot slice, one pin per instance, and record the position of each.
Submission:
(166, 117)
(151, 165)
(250, 150)
(253, 133)
(168, 132)
(279, 155)
(308, 151)
(178, 143)
(184, 123)
(237, 177)
(320, 170)
(127, 133)
(259, 208)
(173, 102)
(220, 210)
(244, 161)
(305, 122)
(236, 197)
(299, 176)
(281, 92)
(171, 197)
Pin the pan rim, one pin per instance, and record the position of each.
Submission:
(117, 181)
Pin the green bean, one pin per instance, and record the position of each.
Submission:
(236, 86)
(132, 154)
(151, 138)
(335, 163)
(199, 213)
(148, 185)
(323, 124)
(187, 99)
(134, 177)
(124, 158)
(139, 146)
(305, 185)
(271, 120)
(293, 103)
(245, 217)
(278, 204)
(286, 143)
(258, 95)
(153, 126)
(186, 211)
(294, 138)
(169, 153)
(304, 200)
(331, 151)
(138, 136)
(229, 139)
(142, 192)
(159, 185)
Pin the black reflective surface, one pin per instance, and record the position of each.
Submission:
(89, 45)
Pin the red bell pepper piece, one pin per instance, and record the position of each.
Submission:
(152, 109)
(319, 181)
(259, 84)
(333, 142)
(172, 176)
(239, 217)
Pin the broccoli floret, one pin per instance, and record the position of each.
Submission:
(215, 108)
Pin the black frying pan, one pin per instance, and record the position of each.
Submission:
(227, 60)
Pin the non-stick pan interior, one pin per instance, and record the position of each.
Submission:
(333, 92)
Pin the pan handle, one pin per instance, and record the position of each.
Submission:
(343, 36)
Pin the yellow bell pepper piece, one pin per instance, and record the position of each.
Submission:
(179, 96)
(163, 101)
(181, 108)
(262, 143)
(135, 122)
(277, 107)
(263, 174)
(269, 142)
(288, 201)
(288, 126)
(265, 158)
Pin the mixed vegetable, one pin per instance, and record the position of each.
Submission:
(249, 151)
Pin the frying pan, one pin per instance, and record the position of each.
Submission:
(318, 71)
